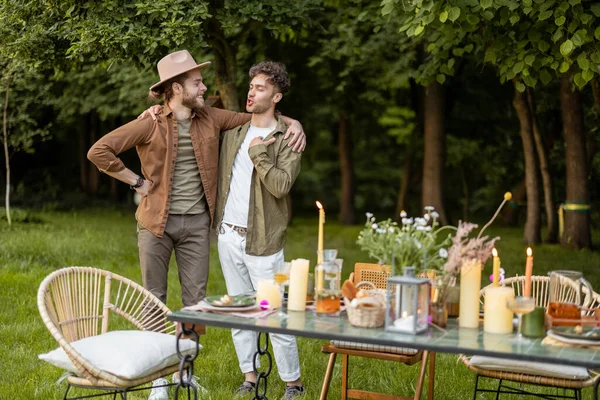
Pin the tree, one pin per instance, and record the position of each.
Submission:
(145, 31)
(513, 36)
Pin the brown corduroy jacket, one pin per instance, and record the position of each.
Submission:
(156, 145)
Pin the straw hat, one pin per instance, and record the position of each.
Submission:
(175, 64)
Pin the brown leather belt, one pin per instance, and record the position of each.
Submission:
(238, 229)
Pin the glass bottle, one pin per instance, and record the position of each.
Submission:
(327, 285)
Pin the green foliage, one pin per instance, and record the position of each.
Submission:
(512, 36)
(400, 123)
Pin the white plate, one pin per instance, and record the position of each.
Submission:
(571, 340)
(207, 306)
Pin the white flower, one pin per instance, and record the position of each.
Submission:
(426, 217)
(372, 219)
(391, 229)
(429, 208)
(427, 228)
(420, 221)
(369, 215)
(443, 253)
(403, 214)
(374, 226)
(420, 228)
(379, 230)
(410, 221)
(405, 221)
(435, 214)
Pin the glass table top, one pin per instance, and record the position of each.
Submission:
(450, 340)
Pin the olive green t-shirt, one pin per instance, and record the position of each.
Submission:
(187, 195)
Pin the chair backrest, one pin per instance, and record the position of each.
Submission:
(76, 302)
(375, 273)
(568, 291)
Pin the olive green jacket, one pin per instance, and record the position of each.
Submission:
(276, 167)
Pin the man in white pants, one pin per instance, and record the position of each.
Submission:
(257, 169)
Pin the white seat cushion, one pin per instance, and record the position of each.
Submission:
(126, 354)
(530, 368)
(406, 351)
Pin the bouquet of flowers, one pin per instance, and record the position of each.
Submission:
(415, 242)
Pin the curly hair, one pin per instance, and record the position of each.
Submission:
(276, 72)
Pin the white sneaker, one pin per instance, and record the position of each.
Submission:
(159, 390)
(193, 382)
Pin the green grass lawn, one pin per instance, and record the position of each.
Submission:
(106, 239)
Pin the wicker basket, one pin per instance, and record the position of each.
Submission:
(367, 312)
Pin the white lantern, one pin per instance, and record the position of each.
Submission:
(407, 304)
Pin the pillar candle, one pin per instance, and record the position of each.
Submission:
(298, 285)
(321, 228)
(497, 318)
(496, 270)
(268, 290)
(528, 273)
(470, 284)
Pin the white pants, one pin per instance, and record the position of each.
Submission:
(242, 273)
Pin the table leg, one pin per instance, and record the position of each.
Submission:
(261, 381)
(596, 388)
(186, 362)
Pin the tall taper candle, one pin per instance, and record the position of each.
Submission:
(321, 226)
(528, 273)
(496, 270)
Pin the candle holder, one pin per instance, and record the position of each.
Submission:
(407, 308)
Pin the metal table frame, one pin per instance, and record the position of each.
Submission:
(453, 340)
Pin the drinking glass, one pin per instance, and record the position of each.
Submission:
(521, 305)
(282, 278)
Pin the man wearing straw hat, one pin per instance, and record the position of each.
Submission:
(178, 151)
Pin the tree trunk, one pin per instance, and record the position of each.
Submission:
(465, 188)
(225, 55)
(347, 211)
(6, 155)
(577, 224)
(592, 143)
(93, 173)
(533, 223)
(542, 152)
(84, 164)
(434, 150)
(403, 191)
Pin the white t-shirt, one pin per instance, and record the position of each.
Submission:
(238, 200)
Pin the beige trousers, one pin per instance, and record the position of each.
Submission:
(188, 235)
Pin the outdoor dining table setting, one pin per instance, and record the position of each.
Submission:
(542, 320)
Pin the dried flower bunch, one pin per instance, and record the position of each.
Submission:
(466, 249)
(413, 242)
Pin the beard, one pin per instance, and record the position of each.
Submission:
(258, 108)
(191, 101)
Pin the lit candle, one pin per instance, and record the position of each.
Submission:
(298, 285)
(496, 264)
(497, 318)
(321, 226)
(528, 273)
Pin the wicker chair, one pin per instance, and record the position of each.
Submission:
(378, 275)
(79, 302)
(568, 292)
